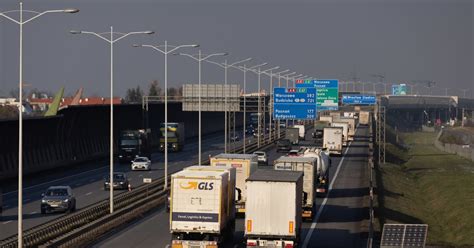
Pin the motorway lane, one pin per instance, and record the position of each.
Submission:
(343, 221)
(88, 185)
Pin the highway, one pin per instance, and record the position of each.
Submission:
(341, 221)
(87, 183)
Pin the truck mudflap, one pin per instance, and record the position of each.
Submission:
(193, 244)
(270, 243)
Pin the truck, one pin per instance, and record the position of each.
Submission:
(292, 134)
(332, 140)
(326, 118)
(176, 136)
(319, 129)
(273, 217)
(345, 131)
(283, 145)
(134, 143)
(307, 165)
(245, 165)
(322, 169)
(199, 213)
(364, 117)
(352, 126)
(301, 131)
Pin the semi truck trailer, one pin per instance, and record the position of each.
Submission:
(322, 169)
(333, 139)
(345, 131)
(292, 134)
(134, 143)
(364, 117)
(273, 217)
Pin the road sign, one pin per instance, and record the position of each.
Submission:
(352, 99)
(146, 180)
(399, 89)
(327, 92)
(294, 103)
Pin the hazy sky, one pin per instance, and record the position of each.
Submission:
(403, 39)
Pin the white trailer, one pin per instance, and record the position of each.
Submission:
(273, 217)
(364, 117)
(307, 165)
(301, 132)
(199, 212)
(345, 131)
(332, 140)
(322, 170)
(326, 118)
(352, 126)
(245, 165)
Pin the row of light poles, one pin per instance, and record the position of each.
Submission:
(112, 37)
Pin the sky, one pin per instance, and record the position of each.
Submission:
(405, 40)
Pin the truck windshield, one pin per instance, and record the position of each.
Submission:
(129, 142)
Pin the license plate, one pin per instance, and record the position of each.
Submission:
(241, 210)
(54, 205)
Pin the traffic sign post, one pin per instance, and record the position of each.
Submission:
(327, 92)
(359, 99)
(294, 103)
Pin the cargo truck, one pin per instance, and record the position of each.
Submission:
(199, 213)
(352, 126)
(319, 129)
(176, 136)
(364, 117)
(333, 139)
(322, 169)
(301, 131)
(134, 143)
(273, 217)
(245, 165)
(345, 131)
(326, 118)
(292, 134)
(307, 165)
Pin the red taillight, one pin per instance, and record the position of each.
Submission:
(251, 243)
(288, 245)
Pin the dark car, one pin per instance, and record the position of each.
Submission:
(283, 145)
(58, 198)
(120, 181)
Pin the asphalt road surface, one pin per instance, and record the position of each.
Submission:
(87, 183)
(341, 221)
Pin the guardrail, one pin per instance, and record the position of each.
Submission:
(80, 228)
(371, 187)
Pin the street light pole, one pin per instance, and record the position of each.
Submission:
(277, 122)
(199, 58)
(165, 52)
(21, 22)
(259, 117)
(269, 73)
(111, 40)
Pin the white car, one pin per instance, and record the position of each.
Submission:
(141, 163)
(261, 157)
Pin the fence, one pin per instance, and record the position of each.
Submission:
(465, 151)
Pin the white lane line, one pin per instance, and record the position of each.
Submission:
(90, 193)
(45, 183)
(318, 214)
(6, 222)
(34, 212)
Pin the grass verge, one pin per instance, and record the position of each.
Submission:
(421, 184)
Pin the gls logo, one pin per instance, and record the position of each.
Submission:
(196, 185)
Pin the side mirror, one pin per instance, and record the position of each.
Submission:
(131, 161)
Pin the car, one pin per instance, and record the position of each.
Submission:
(283, 145)
(141, 163)
(293, 153)
(120, 181)
(261, 157)
(58, 198)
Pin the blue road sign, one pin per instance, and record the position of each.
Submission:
(358, 99)
(327, 92)
(294, 103)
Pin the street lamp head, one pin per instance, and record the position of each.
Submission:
(195, 45)
(222, 54)
(149, 32)
(75, 32)
(176, 54)
(71, 11)
(136, 45)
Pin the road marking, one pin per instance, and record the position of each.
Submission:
(63, 178)
(34, 212)
(318, 214)
(6, 222)
(90, 193)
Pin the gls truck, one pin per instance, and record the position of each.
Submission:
(322, 169)
(245, 165)
(333, 139)
(176, 136)
(273, 217)
(200, 216)
(308, 166)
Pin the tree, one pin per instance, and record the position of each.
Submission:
(172, 92)
(155, 89)
(134, 95)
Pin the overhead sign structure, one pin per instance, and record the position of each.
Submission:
(352, 99)
(327, 92)
(399, 89)
(294, 103)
